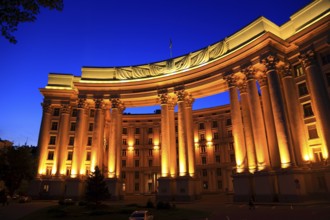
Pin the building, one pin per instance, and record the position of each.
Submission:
(272, 142)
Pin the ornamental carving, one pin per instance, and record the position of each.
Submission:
(189, 100)
(242, 88)
(65, 109)
(230, 81)
(307, 58)
(82, 103)
(99, 103)
(163, 98)
(262, 80)
(118, 104)
(181, 95)
(285, 70)
(47, 108)
(270, 62)
(249, 72)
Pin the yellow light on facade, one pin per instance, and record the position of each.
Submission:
(306, 157)
(209, 143)
(156, 147)
(130, 148)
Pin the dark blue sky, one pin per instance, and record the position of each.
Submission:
(114, 33)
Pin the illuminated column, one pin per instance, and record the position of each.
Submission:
(319, 98)
(44, 136)
(156, 134)
(274, 154)
(251, 154)
(163, 96)
(296, 119)
(190, 135)
(237, 123)
(106, 137)
(259, 132)
(79, 150)
(119, 134)
(98, 131)
(61, 151)
(282, 131)
(182, 132)
(172, 138)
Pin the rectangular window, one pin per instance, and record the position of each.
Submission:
(46, 188)
(150, 131)
(219, 172)
(123, 175)
(54, 126)
(204, 172)
(136, 175)
(150, 163)
(123, 153)
(136, 163)
(52, 140)
(56, 112)
(123, 163)
(68, 171)
(124, 130)
(214, 124)
(90, 126)
(312, 132)
(88, 156)
(215, 136)
(232, 158)
(150, 152)
(71, 141)
(137, 130)
(203, 149)
(298, 70)
(69, 155)
(302, 89)
(308, 111)
(205, 185)
(73, 126)
(88, 170)
(202, 137)
(74, 112)
(89, 141)
(217, 158)
(92, 113)
(216, 148)
(219, 184)
(136, 187)
(228, 121)
(230, 133)
(50, 155)
(124, 141)
(136, 152)
(137, 141)
(49, 171)
(201, 126)
(231, 146)
(325, 58)
(150, 141)
(203, 160)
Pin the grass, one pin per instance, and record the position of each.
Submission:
(116, 212)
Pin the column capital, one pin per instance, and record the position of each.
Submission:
(270, 61)
(99, 103)
(82, 103)
(117, 103)
(307, 57)
(181, 95)
(242, 88)
(230, 81)
(189, 100)
(262, 80)
(65, 109)
(47, 107)
(285, 70)
(249, 72)
(163, 98)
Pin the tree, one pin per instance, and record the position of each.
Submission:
(97, 189)
(13, 12)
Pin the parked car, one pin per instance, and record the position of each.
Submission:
(23, 199)
(141, 215)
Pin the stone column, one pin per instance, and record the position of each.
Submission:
(282, 132)
(79, 150)
(165, 148)
(44, 136)
(251, 154)
(97, 145)
(119, 134)
(319, 98)
(238, 130)
(61, 151)
(106, 137)
(182, 132)
(172, 138)
(274, 154)
(299, 138)
(259, 132)
(190, 135)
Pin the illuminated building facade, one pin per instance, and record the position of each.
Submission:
(277, 123)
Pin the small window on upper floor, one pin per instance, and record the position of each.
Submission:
(52, 140)
(302, 89)
(56, 112)
(325, 57)
(73, 126)
(298, 70)
(137, 130)
(74, 112)
(92, 113)
(124, 130)
(201, 126)
(228, 121)
(150, 131)
(308, 111)
(214, 124)
(54, 126)
(312, 132)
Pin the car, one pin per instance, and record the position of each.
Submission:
(24, 199)
(141, 215)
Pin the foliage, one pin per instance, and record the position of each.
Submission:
(13, 12)
(17, 167)
(97, 189)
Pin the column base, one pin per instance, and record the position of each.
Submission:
(187, 189)
(115, 188)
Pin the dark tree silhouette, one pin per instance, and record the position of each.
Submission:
(97, 189)
(13, 12)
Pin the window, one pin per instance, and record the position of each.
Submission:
(219, 172)
(312, 132)
(176, 128)
(136, 175)
(88, 156)
(46, 188)
(217, 158)
(56, 112)
(137, 141)
(205, 185)
(150, 141)
(150, 163)
(219, 184)
(201, 126)
(203, 160)
(214, 124)
(228, 121)
(215, 135)
(124, 130)
(50, 155)
(69, 155)
(71, 141)
(231, 146)
(150, 152)
(90, 126)
(216, 148)
(136, 152)
(74, 112)
(204, 172)
(68, 171)
(89, 141)
(308, 111)
(92, 113)
(123, 153)
(298, 70)
(302, 89)
(136, 187)
(136, 163)
(54, 126)
(49, 171)
(230, 133)
(124, 141)
(123, 175)
(150, 131)
(232, 158)
(52, 140)
(123, 163)
(202, 137)
(203, 149)
(88, 170)
(325, 58)
(137, 130)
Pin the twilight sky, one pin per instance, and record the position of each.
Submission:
(114, 33)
